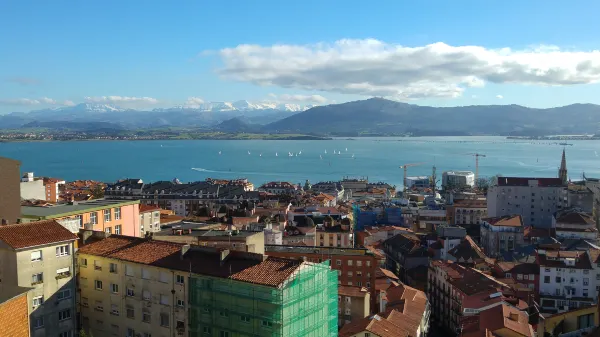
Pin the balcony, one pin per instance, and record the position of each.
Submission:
(97, 267)
(578, 333)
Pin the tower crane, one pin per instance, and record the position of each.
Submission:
(405, 167)
(476, 155)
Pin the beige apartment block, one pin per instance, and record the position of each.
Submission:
(39, 255)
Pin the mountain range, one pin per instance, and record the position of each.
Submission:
(375, 116)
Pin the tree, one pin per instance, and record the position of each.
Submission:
(82, 333)
(482, 184)
(97, 191)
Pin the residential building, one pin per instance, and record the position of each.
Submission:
(458, 293)
(14, 311)
(444, 239)
(372, 235)
(567, 279)
(334, 236)
(404, 252)
(333, 188)
(523, 277)
(112, 216)
(234, 240)
(352, 185)
(325, 200)
(574, 224)
(355, 267)
(428, 219)
(466, 212)
(575, 322)
(535, 199)
(149, 219)
(418, 182)
(502, 320)
(594, 185)
(299, 236)
(580, 196)
(32, 188)
(354, 303)
(407, 315)
(39, 255)
(297, 216)
(52, 188)
(280, 188)
(458, 179)
(10, 198)
(273, 236)
(501, 235)
(468, 253)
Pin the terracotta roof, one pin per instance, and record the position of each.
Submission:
(505, 316)
(467, 251)
(352, 291)
(575, 218)
(533, 232)
(378, 325)
(148, 208)
(35, 234)
(239, 266)
(581, 260)
(506, 221)
(470, 203)
(382, 272)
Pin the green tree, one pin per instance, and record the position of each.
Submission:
(97, 192)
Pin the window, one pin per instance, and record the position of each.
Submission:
(112, 268)
(83, 263)
(65, 334)
(349, 274)
(338, 262)
(368, 263)
(114, 288)
(64, 315)
(585, 293)
(180, 303)
(585, 321)
(163, 277)
(130, 332)
(36, 256)
(546, 279)
(147, 334)
(130, 312)
(37, 301)
(37, 278)
(531, 277)
(128, 270)
(180, 279)
(146, 316)
(557, 280)
(586, 271)
(108, 230)
(586, 281)
(93, 218)
(367, 334)
(130, 292)
(146, 295)
(245, 319)
(164, 320)
(519, 276)
(267, 324)
(508, 275)
(97, 265)
(206, 330)
(63, 294)
(359, 263)
(99, 306)
(145, 274)
(547, 270)
(38, 322)
(164, 299)
(223, 314)
(114, 309)
(349, 283)
(117, 213)
(107, 215)
(118, 229)
(98, 284)
(224, 333)
(63, 272)
(349, 262)
(62, 251)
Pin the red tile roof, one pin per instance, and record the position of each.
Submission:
(148, 208)
(506, 221)
(378, 325)
(272, 272)
(504, 316)
(35, 234)
(352, 291)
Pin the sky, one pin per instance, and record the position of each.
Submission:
(145, 54)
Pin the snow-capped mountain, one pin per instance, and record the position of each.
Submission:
(85, 107)
(241, 106)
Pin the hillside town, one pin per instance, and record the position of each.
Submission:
(462, 256)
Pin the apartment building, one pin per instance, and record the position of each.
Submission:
(535, 199)
(280, 188)
(335, 236)
(14, 311)
(372, 235)
(354, 303)
(111, 216)
(10, 198)
(502, 234)
(467, 212)
(502, 320)
(404, 252)
(524, 277)
(235, 240)
(149, 219)
(32, 188)
(39, 255)
(575, 322)
(574, 224)
(355, 267)
(52, 188)
(568, 279)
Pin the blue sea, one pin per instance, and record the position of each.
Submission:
(377, 158)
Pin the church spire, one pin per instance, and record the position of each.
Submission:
(562, 172)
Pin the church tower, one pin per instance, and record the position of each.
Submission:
(562, 171)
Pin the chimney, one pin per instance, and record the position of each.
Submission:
(223, 256)
(4, 222)
(184, 249)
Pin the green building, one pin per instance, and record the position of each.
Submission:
(278, 297)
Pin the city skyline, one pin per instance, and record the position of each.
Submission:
(159, 55)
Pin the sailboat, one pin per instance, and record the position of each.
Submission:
(346, 149)
(325, 151)
(276, 155)
(260, 155)
(248, 152)
(353, 155)
(339, 152)
(320, 157)
(219, 153)
(300, 152)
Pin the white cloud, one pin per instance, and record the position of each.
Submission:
(34, 101)
(121, 100)
(375, 68)
(315, 99)
(499, 96)
(474, 96)
(194, 101)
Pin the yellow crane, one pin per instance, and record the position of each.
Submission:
(476, 155)
(405, 167)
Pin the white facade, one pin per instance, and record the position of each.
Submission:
(458, 179)
(273, 237)
(536, 204)
(33, 189)
(149, 222)
(417, 182)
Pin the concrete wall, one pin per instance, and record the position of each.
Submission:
(10, 192)
(149, 222)
(33, 190)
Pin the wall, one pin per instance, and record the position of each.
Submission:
(10, 192)
(33, 190)
(570, 320)
(14, 317)
(353, 308)
(129, 221)
(578, 275)
(149, 222)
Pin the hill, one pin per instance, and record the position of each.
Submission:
(236, 125)
(95, 127)
(377, 116)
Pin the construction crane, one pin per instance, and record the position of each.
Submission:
(476, 155)
(405, 167)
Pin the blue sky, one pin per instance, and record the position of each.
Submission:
(163, 53)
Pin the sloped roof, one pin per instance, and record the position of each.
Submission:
(35, 233)
(506, 221)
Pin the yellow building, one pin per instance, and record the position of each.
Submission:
(128, 289)
(576, 320)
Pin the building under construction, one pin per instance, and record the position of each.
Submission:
(373, 215)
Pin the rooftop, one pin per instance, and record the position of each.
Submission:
(72, 209)
(505, 221)
(352, 291)
(9, 292)
(148, 208)
(240, 266)
(34, 234)
(541, 182)
(574, 217)
(382, 325)
(317, 250)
